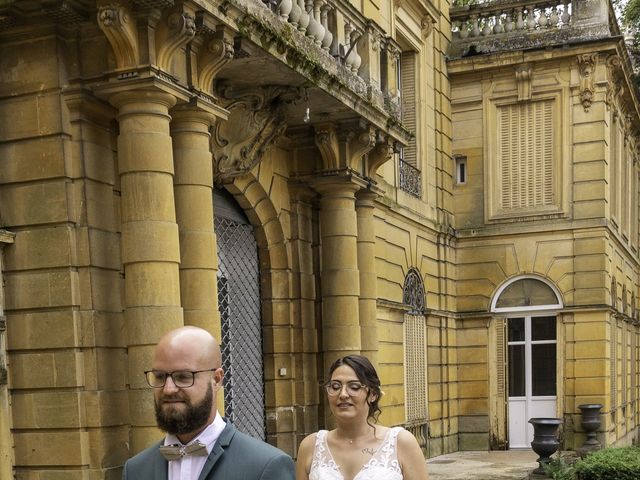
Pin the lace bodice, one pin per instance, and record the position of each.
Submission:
(382, 466)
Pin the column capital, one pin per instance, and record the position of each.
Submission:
(341, 184)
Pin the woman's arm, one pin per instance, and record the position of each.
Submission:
(305, 455)
(412, 461)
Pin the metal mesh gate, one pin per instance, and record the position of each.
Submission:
(239, 303)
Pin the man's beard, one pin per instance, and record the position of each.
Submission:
(193, 418)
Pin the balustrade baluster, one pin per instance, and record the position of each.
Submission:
(543, 21)
(553, 18)
(531, 18)
(475, 29)
(328, 36)
(508, 26)
(303, 21)
(520, 25)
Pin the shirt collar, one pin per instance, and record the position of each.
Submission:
(208, 436)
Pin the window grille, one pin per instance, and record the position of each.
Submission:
(239, 304)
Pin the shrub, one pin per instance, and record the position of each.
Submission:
(610, 463)
(558, 469)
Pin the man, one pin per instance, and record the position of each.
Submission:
(200, 444)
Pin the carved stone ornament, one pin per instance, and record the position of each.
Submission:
(381, 153)
(613, 88)
(256, 120)
(327, 142)
(523, 82)
(587, 66)
(120, 29)
(173, 33)
(344, 147)
(216, 52)
(427, 25)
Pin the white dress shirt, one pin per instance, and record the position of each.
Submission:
(189, 467)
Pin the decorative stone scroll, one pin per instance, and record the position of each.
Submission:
(256, 120)
(587, 65)
(175, 30)
(214, 54)
(345, 146)
(120, 29)
(523, 82)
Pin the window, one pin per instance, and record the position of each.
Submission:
(410, 176)
(461, 169)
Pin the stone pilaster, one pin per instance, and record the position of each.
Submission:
(339, 273)
(150, 246)
(6, 442)
(366, 243)
(193, 186)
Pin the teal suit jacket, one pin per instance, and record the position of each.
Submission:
(235, 456)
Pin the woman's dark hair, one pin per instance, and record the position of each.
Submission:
(367, 375)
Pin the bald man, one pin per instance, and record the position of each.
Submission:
(199, 445)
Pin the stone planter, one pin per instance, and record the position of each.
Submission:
(545, 440)
(590, 422)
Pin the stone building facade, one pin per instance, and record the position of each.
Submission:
(307, 179)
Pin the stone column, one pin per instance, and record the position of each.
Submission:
(193, 186)
(365, 208)
(150, 249)
(339, 273)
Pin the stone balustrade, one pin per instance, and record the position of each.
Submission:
(355, 42)
(500, 17)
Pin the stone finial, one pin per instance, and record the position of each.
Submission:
(523, 82)
(121, 32)
(587, 66)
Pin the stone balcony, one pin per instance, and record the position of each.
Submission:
(491, 26)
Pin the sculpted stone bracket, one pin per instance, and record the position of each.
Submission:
(256, 120)
(343, 148)
(121, 31)
(215, 52)
(587, 65)
(523, 82)
(176, 28)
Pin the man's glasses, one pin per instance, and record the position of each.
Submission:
(353, 388)
(181, 378)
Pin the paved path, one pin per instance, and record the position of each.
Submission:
(497, 465)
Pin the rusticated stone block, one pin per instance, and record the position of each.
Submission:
(54, 369)
(44, 448)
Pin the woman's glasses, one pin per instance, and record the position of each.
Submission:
(353, 388)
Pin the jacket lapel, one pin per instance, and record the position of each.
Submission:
(218, 449)
(160, 465)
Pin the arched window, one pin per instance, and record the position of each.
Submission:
(526, 293)
(413, 292)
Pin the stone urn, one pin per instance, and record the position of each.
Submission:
(590, 422)
(545, 440)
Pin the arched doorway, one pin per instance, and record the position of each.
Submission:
(239, 304)
(529, 305)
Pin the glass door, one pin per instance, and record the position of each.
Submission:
(532, 374)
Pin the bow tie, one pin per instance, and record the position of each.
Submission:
(176, 452)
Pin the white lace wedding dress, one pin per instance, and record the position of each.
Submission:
(382, 466)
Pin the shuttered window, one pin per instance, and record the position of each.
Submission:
(525, 155)
(415, 368)
(408, 93)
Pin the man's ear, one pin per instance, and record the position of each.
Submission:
(218, 377)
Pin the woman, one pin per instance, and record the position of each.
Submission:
(358, 448)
